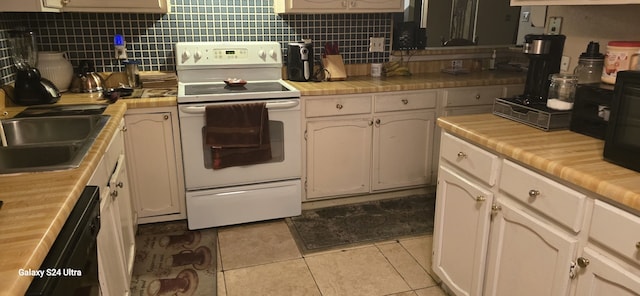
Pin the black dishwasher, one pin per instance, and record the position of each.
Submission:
(71, 266)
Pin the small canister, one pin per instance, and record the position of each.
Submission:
(562, 91)
(589, 69)
(618, 58)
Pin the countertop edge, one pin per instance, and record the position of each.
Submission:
(613, 190)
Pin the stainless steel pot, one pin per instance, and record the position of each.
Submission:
(86, 79)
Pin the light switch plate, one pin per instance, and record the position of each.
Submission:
(376, 44)
(564, 63)
(554, 26)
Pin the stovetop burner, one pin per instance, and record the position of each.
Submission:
(221, 88)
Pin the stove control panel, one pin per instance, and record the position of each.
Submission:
(203, 54)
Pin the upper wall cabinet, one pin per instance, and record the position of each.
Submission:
(137, 6)
(337, 6)
(571, 2)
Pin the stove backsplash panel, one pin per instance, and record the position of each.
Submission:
(151, 37)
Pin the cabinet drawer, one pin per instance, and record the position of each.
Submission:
(405, 101)
(617, 230)
(471, 159)
(341, 105)
(560, 203)
(472, 96)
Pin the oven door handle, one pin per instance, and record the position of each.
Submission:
(200, 109)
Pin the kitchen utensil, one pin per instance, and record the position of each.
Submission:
(235, 82)
(589, 68)
(55, 66)
(86, 79)
(30, 87)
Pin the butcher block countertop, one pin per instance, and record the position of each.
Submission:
(368, 84)
(569, 156)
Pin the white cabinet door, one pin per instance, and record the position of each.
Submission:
(338, 157)
(119, 185)
(461, 232)
(159, 6)
(402, 149)
(604, 277)
(111, 268)
(527, 257)
(154, 164)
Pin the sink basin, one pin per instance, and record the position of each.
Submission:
(48, 130)
(48, 143)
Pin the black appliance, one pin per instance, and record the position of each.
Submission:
(622, 141)
(591, 109)
(30, 87)
(545, 55)
(71, 266)
(300, 61)
(409, 35)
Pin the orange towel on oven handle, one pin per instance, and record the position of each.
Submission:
(238, 134)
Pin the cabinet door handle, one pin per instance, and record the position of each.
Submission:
(462, 155)
(405, 101)
(165, 117)
(370, 122)
(124, 129)
(339, 106)
(480, 198)
(378, 122)
(533, 193)
(65, 2)
(120, 184)
(478, 97)
(114, 194)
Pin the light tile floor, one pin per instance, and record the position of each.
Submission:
(262, 259)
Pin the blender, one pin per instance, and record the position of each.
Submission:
(30, 88)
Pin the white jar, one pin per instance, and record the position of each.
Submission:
(54, 66)
(618, 58)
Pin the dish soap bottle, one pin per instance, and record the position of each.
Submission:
(492, 61)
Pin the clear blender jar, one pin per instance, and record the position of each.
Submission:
(589, 68)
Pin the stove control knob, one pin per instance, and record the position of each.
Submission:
(185, 56)
(273, 54)
(262, 54)
(197, 56)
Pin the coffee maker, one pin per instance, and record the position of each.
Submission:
(30, 88)
(300, 61)
(545, 56)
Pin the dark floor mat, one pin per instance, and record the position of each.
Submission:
(348, 225)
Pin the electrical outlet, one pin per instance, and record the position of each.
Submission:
(564, 63)
(555, 23)
(376, 44)
(524, 17)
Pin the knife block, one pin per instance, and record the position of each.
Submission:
(334, 65)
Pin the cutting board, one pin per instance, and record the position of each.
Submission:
(334, 65)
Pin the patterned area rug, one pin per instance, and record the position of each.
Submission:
(343, 226)
(172, 260)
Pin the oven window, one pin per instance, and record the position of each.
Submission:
(628, 122)
(276, 133)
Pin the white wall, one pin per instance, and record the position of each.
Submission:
(602, 23)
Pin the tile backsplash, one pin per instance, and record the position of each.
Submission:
(151, 37)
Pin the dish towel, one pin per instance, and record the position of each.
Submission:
(237, 134)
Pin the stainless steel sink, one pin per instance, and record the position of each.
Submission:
(48, 143)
